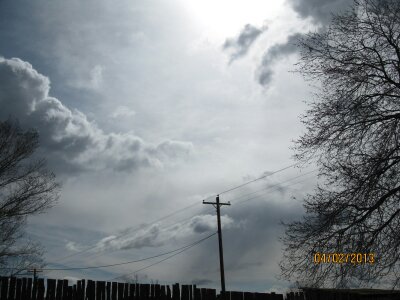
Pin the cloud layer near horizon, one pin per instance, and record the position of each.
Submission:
(67, 136)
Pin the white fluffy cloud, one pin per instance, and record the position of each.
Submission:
(67, 137)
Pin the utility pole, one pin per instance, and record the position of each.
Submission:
(217, 205)
(34, 271)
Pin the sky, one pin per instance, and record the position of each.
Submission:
(144, 109)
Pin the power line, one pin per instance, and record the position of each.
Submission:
(254, 180)
(123, 263)
(271, 186)
(127, 262)
(240, 197)
(175, 212)
(181, 222)
(252, 198)
(181, 249)
(131, 231)
(160, 261)
(186, 248)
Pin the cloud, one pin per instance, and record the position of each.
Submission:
(207, 223)
(148, 237)
(96, 76)
(319, 11)
(158, 235)
(122, 111)
(277, 51)
(68, 139)
(71, 246)
(241, 44)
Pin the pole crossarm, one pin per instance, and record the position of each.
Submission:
(215, 203)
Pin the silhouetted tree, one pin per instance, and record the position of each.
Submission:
(26, 188)
(352, 133)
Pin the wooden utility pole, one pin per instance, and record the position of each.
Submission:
(34, 271)
(217, 205)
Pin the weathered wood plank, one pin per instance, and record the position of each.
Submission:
(12, 287)
(120, 290)
(114, 291)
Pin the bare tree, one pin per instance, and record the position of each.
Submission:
(26, 188)
(352, 133)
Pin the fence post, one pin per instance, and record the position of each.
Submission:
(163, 293)
(203, 292)
(114, 291)
(40, 289)
(24, 294)
(126, 291)
(168, 293)
(176, 294)
(11, 289)
(131, 292)
(108, 291)
(235, 295)
(120, 290)
(4, 287)
(18, 289)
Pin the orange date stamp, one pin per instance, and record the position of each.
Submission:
(344, 258)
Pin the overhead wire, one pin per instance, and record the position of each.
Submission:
(130, 231)
(257, 179)
(124, 263)
(146, 267)
(271, 186)
(160, 261)
(257, 196)
(185, 220)
(181, 222)
(175, 212)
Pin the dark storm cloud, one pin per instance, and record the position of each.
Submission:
(274, 53)
(68, 139)
(320, 12)
(241, 44)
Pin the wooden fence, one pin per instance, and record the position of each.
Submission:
(344, 294)
(27, 289)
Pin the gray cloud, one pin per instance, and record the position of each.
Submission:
(206, 223)
(241, 44)
(148, 237)
(250, 251)
(68, 139)
(320, 12)
(277, 51)
(250, 233)
(158, 235)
